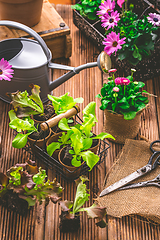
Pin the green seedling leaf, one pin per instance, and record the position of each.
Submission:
(81, 197)
(90, 158)
(103, 135)
(52, 147)
(20, 140)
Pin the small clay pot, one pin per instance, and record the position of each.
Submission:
(40, 142)
(69, 225)
(69, 170)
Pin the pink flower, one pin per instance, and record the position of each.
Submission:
(154, 18)
(112, 70)
(118, 80)
(106, 7)
(125, 81)
(120, 2)
(113, 43)
(5, 70)
(116, 89)
(110, 20)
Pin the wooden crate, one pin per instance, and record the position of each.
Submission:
(51, 28)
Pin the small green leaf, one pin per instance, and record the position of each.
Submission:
(20, 140)
(52, 147)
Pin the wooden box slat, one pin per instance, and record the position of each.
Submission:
(42, 222)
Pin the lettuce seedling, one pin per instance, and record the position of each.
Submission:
(82, 195)
(25, 105)
(63, 103)
(29, 183)
(24, 127)
(81, 137)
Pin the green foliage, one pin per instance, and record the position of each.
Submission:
(63, 103)
(21, 125)
(128, 101)
(80, 138)
(88, 8)
(139, 37)
(29, 183)
(25, 105)
(81, 197)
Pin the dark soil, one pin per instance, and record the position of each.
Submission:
(40, 134)
(66, 156)
(69, 225)
(48, 113)
(12, 202)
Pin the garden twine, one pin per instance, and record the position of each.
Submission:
(119, 128)
(142, 201)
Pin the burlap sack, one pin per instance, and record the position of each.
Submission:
(120, 128)
(144, 201)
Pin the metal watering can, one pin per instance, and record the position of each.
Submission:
(31, 62)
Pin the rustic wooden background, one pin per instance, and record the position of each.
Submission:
(42, 222)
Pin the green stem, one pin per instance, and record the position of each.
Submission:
(125, 5)
(124, 90)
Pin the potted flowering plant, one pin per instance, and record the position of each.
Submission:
(130, 35)
(122, 102)
(70, 218)
(24, 184)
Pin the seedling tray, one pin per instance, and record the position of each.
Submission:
(42, 156)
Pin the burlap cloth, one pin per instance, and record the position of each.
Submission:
(119, 128)
(144, 201)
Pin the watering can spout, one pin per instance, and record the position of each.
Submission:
(103, 62)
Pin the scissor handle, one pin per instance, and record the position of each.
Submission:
(156, 162)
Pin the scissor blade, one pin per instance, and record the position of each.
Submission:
(140, 172)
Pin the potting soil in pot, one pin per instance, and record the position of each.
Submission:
(48, 113)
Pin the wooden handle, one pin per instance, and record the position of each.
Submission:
(54, 121)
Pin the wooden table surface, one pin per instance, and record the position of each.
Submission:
(42, 222)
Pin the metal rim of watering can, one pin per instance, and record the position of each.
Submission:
(30, 32)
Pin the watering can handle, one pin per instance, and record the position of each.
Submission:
(30, 31)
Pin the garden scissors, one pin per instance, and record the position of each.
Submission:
(140, 172)
(154, 182)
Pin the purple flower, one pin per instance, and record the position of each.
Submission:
(120, 2)
(113, 43)
(5, 70)
(116, 89)
(110, 20)
(106, 7)
(154, 18)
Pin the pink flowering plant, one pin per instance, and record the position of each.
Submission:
(127, 35)
(123, 95)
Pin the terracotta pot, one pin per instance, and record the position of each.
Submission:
(119, 128)
(27, 12)
(96, 147)
(54, 138)
(39, 142)
(69, 171)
